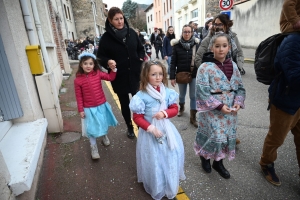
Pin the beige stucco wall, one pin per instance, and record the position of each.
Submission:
(256, 20)
(11, 22)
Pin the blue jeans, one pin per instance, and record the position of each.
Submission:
(182, 92)
(169, 64)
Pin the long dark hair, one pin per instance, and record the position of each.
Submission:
(224, 18)
(84, 58)
(171, 36)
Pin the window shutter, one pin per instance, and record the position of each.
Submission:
(10, 107)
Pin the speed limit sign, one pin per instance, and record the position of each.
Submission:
(226, 4)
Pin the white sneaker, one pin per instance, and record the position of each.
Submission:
(105, 140)
(94, 152)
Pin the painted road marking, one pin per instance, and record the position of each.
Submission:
(181, 194)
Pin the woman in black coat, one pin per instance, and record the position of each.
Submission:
(181, 61)
(120, 46)
(159, 43)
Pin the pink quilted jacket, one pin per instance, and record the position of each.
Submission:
(88, 89)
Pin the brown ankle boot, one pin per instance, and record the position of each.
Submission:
(193, 118)
(181, 109)
(237, 141)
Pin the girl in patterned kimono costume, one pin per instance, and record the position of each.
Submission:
(219, 96)
(159, 149)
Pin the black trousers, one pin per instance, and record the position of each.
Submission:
(126, 113)
(157, 49)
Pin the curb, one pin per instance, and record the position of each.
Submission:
(249, 60)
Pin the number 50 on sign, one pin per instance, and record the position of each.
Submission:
(226, 4)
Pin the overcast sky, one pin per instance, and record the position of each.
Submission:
(119, 3)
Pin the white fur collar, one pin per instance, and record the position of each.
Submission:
(176, 41)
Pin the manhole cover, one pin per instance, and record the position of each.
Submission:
(69, 113)
(68, 137)
(72, 104)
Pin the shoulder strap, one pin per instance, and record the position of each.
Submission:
(193, 58)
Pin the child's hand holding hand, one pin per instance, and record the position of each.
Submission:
(235, 108)
(82, 115)
(225, 109)
(112, 64)
(159, 115)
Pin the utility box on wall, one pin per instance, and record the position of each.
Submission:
(35, 59)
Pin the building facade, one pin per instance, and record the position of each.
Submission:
(150, 18)
(186, 11)
(65, 9)
(168, 14)
(33, 61)
(158, 12)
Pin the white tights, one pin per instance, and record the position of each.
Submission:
(92, 141)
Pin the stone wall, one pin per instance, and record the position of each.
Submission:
(84, 19)
(212, 6)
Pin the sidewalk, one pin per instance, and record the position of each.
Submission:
(68, 172)
(249, 55)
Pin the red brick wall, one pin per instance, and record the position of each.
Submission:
(57, 34)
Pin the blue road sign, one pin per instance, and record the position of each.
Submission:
(228, 12)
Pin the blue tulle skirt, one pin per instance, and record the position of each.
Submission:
(98, 119)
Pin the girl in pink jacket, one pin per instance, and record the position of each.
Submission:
(91, 101)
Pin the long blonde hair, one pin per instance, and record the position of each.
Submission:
(145, 74)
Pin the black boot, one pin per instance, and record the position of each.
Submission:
(205, 164)
(130, 132)
(219, 167)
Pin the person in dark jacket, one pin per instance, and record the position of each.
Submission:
(159, 43)
(121, 45)
(206, 28)
(181, 62)
(284, 92)
(167, 48)
(153, 36)
(87, 41)
(141, 37)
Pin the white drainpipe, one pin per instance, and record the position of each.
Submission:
(40, 35)
(28, 22)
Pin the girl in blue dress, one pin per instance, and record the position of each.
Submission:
(219, 96)
(159, 151)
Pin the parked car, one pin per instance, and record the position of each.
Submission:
(146, 37)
